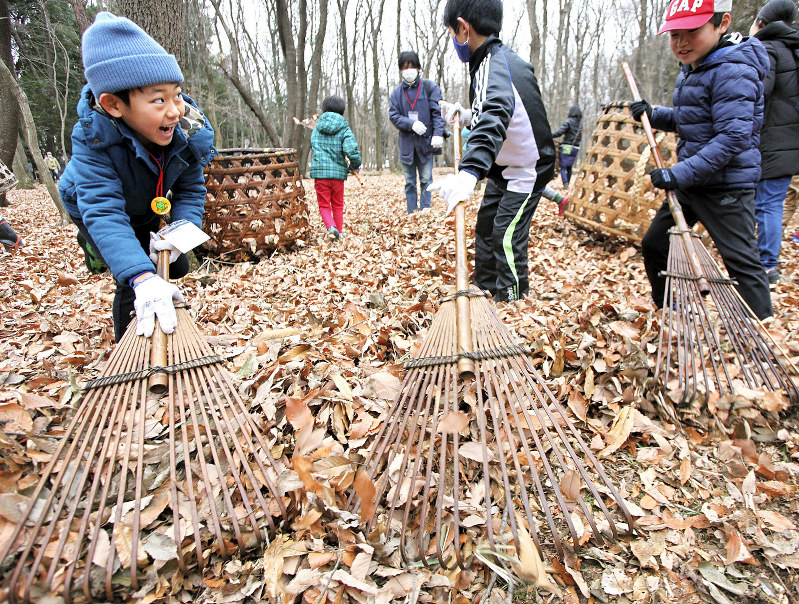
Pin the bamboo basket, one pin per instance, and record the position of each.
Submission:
(255, 203)
(7, 179)
(612, 192)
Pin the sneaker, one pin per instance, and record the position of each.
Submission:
(8, 237)
(562, 205)
(91, 259)
(795, 238)
(773, 276)
(333, 234)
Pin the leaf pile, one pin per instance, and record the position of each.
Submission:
(316, 338)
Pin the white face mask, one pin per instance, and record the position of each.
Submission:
(410, 75)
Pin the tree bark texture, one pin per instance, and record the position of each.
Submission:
(9, 81)
(9, 109)
(164, 20)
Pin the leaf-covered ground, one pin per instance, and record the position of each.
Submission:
(326, 327)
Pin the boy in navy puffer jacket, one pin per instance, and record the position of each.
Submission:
(717, 114)
(137, 138)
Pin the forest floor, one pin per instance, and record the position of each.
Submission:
(716, 508)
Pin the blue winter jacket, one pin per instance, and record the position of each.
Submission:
(111, 179)
(400, 101)
(717, 115)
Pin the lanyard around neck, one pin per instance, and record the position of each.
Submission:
(159, 188)
(413, 105)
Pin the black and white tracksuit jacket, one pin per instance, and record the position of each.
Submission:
(510, 139)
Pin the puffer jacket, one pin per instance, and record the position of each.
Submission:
(779, 138)
(717, 115)
(111, 179)
(332, 143)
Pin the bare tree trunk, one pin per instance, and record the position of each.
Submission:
(9, 81)
(376, 21)
(9, 109)
(80, 14)
(345, 59)
(231, 72)
(21, 169)
(162, 19)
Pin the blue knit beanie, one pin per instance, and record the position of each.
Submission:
(119, 55)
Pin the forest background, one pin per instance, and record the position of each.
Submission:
(253, 66)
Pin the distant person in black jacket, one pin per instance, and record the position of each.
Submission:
(571, 130)
(779, 138)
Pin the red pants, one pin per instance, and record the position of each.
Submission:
(330, 197)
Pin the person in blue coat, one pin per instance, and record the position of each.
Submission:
(137, 137)
(717, 115)
(414, 111)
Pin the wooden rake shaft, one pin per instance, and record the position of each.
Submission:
(689, 335)
(108, 479)
(475, 443)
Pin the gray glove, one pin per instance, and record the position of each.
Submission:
(419, 128)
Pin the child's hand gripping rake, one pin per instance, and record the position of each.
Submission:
(689, 335)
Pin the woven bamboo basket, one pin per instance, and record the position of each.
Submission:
(612, 192)
(7, 179)
(255, 203)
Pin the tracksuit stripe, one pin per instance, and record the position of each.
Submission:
(507, 245)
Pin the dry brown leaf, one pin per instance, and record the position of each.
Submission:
(15, 418)
(619, 431)
(298, 413)
(570, 485)
(273, 566)
(685, 469)
(736, 549)
(530, 567)
(366, 491)
(453, 422)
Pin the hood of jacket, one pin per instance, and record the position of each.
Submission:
(781, 31)
(735, 48)
(331, 123)
(574, 111)
(102, 130)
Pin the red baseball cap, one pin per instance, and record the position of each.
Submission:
(690, 14)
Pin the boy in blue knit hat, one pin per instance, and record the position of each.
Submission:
(137, 137)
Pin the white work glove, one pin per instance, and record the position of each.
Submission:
(419, 128)
(437, 142)
(448, 110)
(154, 299)
(159, 245)
(455, 188)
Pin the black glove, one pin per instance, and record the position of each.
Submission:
(637, 108)
(663, 178)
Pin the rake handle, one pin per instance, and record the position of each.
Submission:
(674, 205)
(464, 321)
(158, 383)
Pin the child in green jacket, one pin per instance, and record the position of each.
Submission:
(335, 152)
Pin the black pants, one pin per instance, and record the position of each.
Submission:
(124, 296)
(729, 217)
(501, 235)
